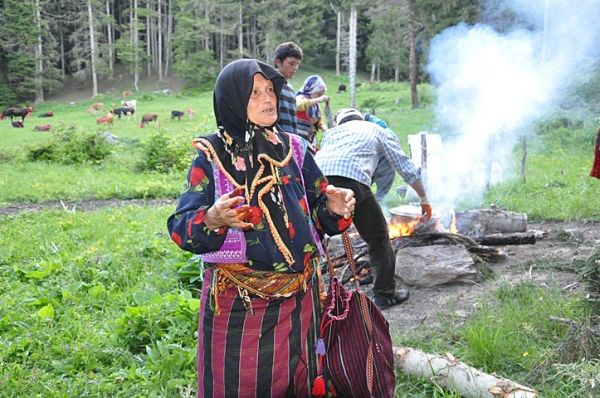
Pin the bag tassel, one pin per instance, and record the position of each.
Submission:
(319, 389)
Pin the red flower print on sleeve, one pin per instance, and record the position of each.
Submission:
(292, 230)
(255, 216)
(285, 179)
(344, 223)
(303, 206)
(197, 176)
(323, 186)
(176, 238)
(199, 218)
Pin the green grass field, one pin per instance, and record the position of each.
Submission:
(102, 304)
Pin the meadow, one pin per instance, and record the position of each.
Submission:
(103, 304)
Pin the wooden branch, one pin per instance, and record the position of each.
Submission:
(517, 238)
(454, 375)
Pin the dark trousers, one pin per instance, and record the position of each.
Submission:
(372, 228)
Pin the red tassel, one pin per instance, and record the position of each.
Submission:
(596, 167)
(318, 389)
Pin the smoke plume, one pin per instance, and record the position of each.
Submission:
(495, 79)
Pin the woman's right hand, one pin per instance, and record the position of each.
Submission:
(227, 212)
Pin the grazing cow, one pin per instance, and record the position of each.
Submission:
(123, 111)
(341, 87)
(149, 117)
(129, 104)
(98, 106)
(47, 114)
(12, 112)
(108, 119)
(177, 114)
(190, 112)
(43, 127)
(17, 123)
(127, 93)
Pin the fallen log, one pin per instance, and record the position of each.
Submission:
(517, 238)
(480, 222)
(457, 376)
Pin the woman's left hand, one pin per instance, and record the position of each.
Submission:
(340, 201)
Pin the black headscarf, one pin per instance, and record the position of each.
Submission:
(241, 138)
(232, 92)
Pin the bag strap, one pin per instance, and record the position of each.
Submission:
(350, 256)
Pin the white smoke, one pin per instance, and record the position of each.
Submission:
(492, 85)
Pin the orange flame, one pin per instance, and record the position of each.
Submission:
(402, 229)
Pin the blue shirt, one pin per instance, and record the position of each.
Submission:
(287, 110)
(354, 150)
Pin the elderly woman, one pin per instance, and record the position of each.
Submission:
(254, 208)
(308, 114)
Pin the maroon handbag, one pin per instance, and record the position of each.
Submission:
(355, 349)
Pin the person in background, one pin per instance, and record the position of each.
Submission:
(384, 174)
(309, 117)
(287, 61)
(349, 155)
(253, 207)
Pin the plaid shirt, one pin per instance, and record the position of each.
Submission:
(354, 150)
(287, 110)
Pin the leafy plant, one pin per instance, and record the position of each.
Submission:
(163, 154)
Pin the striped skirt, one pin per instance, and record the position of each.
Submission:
(270, 353)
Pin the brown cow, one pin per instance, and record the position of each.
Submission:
(149, 117)
(12, 112)
(108, 119)
(98, 106)
(43, 127)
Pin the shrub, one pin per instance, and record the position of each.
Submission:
(72, 147)
(163, 154)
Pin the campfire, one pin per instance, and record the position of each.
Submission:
(406, 220)
(434, 252)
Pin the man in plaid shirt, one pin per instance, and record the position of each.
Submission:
(287, 60)
(349, 155)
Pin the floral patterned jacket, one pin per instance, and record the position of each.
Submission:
(188, 230)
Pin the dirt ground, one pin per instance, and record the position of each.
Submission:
(545, 263)
(561, 243)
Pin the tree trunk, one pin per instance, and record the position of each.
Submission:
(148, 40)
(396, 74)
(131, 35)
(169, 34)
(63, 66)
(92, 49)
(457, 376)
(207, 17)
(159, 43)
(338, 43)
(373, 70)
(136, 61)
(352, 57)
(241, 33)
(39, 57)
(412, 54)
(109, 37)
(524, 159)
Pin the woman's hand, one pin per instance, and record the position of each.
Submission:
(227, 212)
(340, 201)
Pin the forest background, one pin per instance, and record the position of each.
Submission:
(43, 43)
